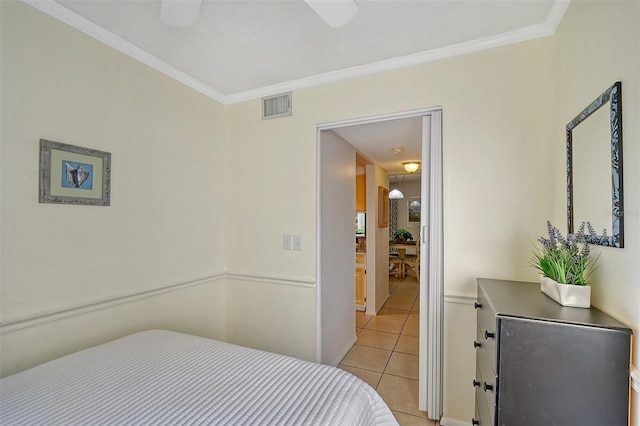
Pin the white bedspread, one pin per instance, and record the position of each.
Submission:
(160, 377)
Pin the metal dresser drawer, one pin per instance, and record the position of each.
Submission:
(485, 345)
(539, 363)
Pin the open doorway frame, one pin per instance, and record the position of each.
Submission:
(432, 253)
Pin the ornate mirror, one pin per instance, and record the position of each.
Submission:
(594, 169)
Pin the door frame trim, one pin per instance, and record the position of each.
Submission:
(431, 332)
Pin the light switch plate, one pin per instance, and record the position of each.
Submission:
(297, 242)
(286, 242)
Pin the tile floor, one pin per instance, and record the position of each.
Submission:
(386, 353)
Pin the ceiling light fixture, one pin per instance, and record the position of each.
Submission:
(180, 13)
(411, 166)
(336, 13)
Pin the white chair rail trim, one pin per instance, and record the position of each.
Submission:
(273, 279)
(461, 299)
(12, 324)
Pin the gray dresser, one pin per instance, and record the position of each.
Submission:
(539, 363)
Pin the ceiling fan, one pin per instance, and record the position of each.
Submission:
(184, 13)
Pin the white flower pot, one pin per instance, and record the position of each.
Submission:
(576, 296)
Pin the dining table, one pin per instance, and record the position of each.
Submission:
(401, 248)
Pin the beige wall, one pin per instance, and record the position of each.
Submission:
(495, 106)
(496, 174)
(597, 44)
(181, 210)
(164, 225)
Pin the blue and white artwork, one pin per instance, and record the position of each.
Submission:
(77, 175)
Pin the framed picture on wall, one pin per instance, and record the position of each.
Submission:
(413, 211)
(383, 207)
(72, 174)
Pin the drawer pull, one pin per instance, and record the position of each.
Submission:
(487, 387)
(477, 305)
(476, 344)
(476, 383)
(475, 422)
(489, 335)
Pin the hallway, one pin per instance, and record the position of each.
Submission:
(386, 353)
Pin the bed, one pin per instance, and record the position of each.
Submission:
(160, 377)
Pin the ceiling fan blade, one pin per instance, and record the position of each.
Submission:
(336, 13)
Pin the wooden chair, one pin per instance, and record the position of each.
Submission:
(411, 262)
(395, 265)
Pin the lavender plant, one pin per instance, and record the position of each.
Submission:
(565, 260)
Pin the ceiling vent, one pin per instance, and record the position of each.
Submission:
(276, 106)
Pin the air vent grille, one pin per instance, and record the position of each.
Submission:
(276, 106)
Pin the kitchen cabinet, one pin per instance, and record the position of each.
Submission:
(361, 193)
(361, 281)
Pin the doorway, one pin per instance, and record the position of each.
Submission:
(336, 192)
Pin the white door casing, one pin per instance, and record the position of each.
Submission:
(431, 282)
(431, 352)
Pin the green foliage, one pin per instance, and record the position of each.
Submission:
(402, 234)
(565, 260)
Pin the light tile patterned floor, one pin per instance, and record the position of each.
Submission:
(386, 353)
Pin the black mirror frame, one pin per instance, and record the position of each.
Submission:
(613, 94)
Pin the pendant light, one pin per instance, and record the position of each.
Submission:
(396, 194)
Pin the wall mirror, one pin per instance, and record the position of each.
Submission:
(594, 169)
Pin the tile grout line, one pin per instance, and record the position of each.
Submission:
(399, 335)
(394, 349)
(416, 299)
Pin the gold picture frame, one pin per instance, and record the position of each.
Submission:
(383, 207)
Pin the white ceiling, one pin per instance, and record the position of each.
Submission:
(376, 141)
(245, 49)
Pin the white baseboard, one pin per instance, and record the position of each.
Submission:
(452, 422)
(344, 351)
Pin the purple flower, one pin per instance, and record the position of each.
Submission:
(565, 259)
(552, 235)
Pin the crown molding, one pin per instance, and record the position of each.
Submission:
(76, 21)
(524, 34)
(516, 36)
(556, 14)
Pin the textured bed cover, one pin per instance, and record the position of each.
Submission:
(161, 377)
